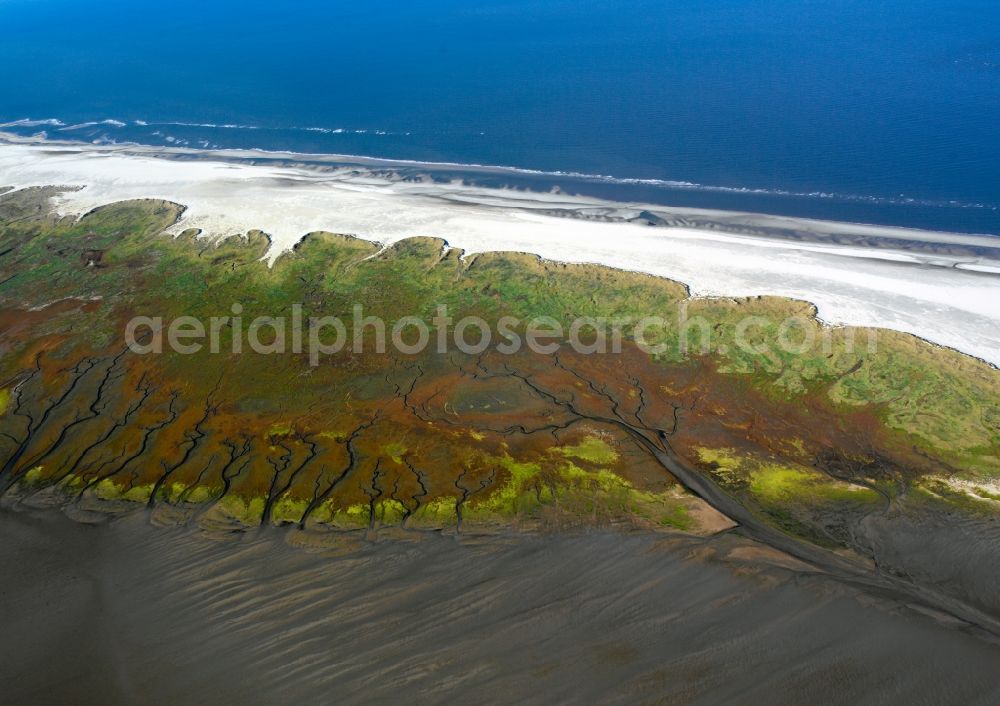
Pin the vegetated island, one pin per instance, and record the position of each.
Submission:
(879, 464)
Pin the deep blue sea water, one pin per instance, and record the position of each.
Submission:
(850, 109)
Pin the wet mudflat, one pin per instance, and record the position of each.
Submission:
(129, 613)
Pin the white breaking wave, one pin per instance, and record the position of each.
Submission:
(28, 122)
(93, 123)
(234, 126)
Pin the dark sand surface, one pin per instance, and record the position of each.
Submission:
(129, 613)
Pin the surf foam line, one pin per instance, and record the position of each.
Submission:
(889, 287)
(111, 122)
(667, 184)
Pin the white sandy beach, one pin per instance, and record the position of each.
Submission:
(953, 301)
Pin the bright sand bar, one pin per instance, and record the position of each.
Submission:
(951, 300)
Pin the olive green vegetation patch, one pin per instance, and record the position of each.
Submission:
(799, 500)
(782, 483)
(593, 449)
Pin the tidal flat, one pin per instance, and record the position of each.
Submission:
(125, 612)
